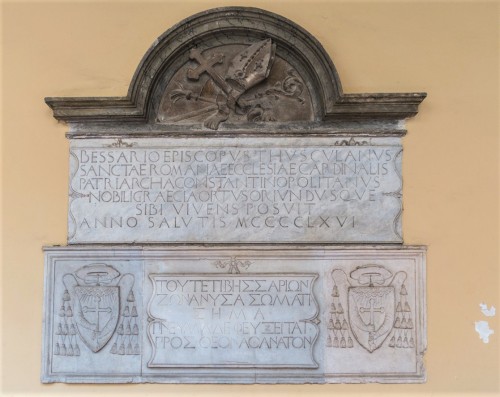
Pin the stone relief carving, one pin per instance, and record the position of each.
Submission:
(351, 142)
(339, 334)
(97, 304)
(397, 194)
(73, 194)
(232, 264)
(300, 69)
(377, 306)
(236, 83)
(121, 143)
(196, 317)
(65, 334)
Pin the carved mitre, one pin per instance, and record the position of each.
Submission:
(251, 66)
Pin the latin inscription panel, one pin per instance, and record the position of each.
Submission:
(235, 190)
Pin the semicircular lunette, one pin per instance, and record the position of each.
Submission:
(236, 69)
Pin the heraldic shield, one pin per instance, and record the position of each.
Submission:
(97, 314)
(371, 314)
(98, 302)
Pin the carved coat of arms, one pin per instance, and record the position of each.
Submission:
(377, 306)
(371, 307)
(98, 303)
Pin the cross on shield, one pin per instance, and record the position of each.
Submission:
(97, 312)
(371, 314)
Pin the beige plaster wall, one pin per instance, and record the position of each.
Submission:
(449, 49)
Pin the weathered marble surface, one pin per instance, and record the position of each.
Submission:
(270, 314)
(240, 189)
(235, 130)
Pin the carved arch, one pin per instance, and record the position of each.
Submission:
(227, 26)
(224, 26)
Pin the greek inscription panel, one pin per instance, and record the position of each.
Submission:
(155, 190)
(261, 320)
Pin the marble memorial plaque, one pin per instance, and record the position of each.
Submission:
(207, 212)
(201, 315)
(235, 190)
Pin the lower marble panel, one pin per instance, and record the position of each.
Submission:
(238, 314)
